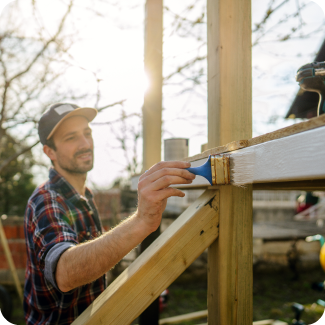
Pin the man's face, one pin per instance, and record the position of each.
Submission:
(74, 146)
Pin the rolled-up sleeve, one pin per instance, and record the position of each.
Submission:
(52, 233)
(51, 261)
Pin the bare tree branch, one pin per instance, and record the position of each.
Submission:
(120, 102)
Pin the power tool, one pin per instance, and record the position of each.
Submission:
(311, 77)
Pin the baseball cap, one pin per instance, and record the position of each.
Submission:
(57, 113)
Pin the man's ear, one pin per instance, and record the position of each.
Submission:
(49, 152)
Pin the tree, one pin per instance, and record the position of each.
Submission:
(16, 180)
(279, 21)
(34, 61)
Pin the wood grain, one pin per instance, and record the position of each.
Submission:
(229, 121)
(306, 185)
(230, 259)
(313, 123)
(157, 267)
(152, 105)
(235, 145)
(183, 318)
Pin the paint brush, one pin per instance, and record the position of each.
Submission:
(215, 170)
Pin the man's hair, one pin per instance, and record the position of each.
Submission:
(50, 143)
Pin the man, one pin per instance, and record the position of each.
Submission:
(67, 254)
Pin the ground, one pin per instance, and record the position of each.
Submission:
(273, 295)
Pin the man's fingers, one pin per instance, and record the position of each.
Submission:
(165, 164)
(168, 192)
(168, 172)
(167, 180)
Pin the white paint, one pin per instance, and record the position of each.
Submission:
(293, 158)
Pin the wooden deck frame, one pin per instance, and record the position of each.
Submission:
(158, 266)
(230, 256)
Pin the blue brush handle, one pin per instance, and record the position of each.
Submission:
(204, 170)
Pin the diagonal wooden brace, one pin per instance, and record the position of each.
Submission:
(158, 266)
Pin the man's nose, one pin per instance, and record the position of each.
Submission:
(85, 142)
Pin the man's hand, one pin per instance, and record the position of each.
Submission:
(154, 189)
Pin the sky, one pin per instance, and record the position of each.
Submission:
(111, 48)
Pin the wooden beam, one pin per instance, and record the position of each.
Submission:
(311, 124)
(230, 260)
(298, 158)
(298, 128)
(183, 318)
(230, 276)
(204, 313)
(152, 113)
(306, 185)
(152, 106)
(155, 269)
(294, 158)
(235, 145)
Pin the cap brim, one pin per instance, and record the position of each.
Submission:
(87, 112)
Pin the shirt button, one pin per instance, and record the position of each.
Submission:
(91, 212)
(88, 233)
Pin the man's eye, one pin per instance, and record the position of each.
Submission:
(70, 138)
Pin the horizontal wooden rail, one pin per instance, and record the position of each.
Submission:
(299, 157)
(311, 124)
(158, 266)
(302, 148)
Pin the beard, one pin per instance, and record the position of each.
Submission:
(73, 166)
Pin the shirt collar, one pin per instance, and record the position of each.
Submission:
(66, 189)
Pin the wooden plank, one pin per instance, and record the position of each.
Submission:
(183, 318)
(204, 313)
(297, 158)
(152, 105)
(230, 294)
(266, 322)
(294, 158)
(152, 113)
(230, 259)
(311, 124)
(305, 185)
(235, 145)
(10, 261)
(158, 266)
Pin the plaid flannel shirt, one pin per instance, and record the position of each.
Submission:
(56, 218)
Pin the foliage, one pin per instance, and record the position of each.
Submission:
(16, 179)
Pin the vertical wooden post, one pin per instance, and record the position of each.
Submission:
(152, 111)
(230, 278)
(153, 98)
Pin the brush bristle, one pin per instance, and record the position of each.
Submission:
(242, 168)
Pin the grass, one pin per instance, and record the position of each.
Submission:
(273, 295)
